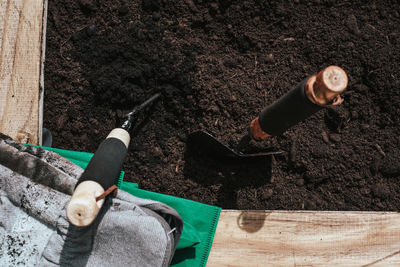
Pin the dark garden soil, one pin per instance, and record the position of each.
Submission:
(217, 64)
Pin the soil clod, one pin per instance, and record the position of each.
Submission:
(325, 137)
(310, 204)
(336, 118)
(87, 5)
(391, 165)
(267, 194)
(300, 182)
(335, 138)
(352, 24)
(381, 191)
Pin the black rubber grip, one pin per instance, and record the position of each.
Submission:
(105, 165)
(287, 111)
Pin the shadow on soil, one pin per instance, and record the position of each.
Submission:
(232, 174)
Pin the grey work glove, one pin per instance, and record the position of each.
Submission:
(35, 186)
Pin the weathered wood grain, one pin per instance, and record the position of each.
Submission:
(305, 238)
(20, 67)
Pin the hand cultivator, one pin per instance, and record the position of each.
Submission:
(103, 170)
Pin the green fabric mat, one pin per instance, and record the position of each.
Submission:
(200, 220)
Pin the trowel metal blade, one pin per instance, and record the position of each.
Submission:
(216, 148)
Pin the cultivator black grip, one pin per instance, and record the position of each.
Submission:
(102, 173)
(105, 165)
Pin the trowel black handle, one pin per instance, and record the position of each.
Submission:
(309, 96)
(287, 111)
(101, 173)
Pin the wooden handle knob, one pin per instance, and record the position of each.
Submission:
(328, 84)
(83, 208)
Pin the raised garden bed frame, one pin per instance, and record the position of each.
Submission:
(243, 238)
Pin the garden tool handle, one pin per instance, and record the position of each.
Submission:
(311, 95)
(101, 173)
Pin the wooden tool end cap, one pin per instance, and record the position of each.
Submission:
(83, 208)
(327, 85)
(332, 79)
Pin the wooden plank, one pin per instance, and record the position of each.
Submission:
(20, 65)
(42, 60)
(306, 238)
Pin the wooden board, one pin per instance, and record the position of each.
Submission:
(20, 68)
(305, 238)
